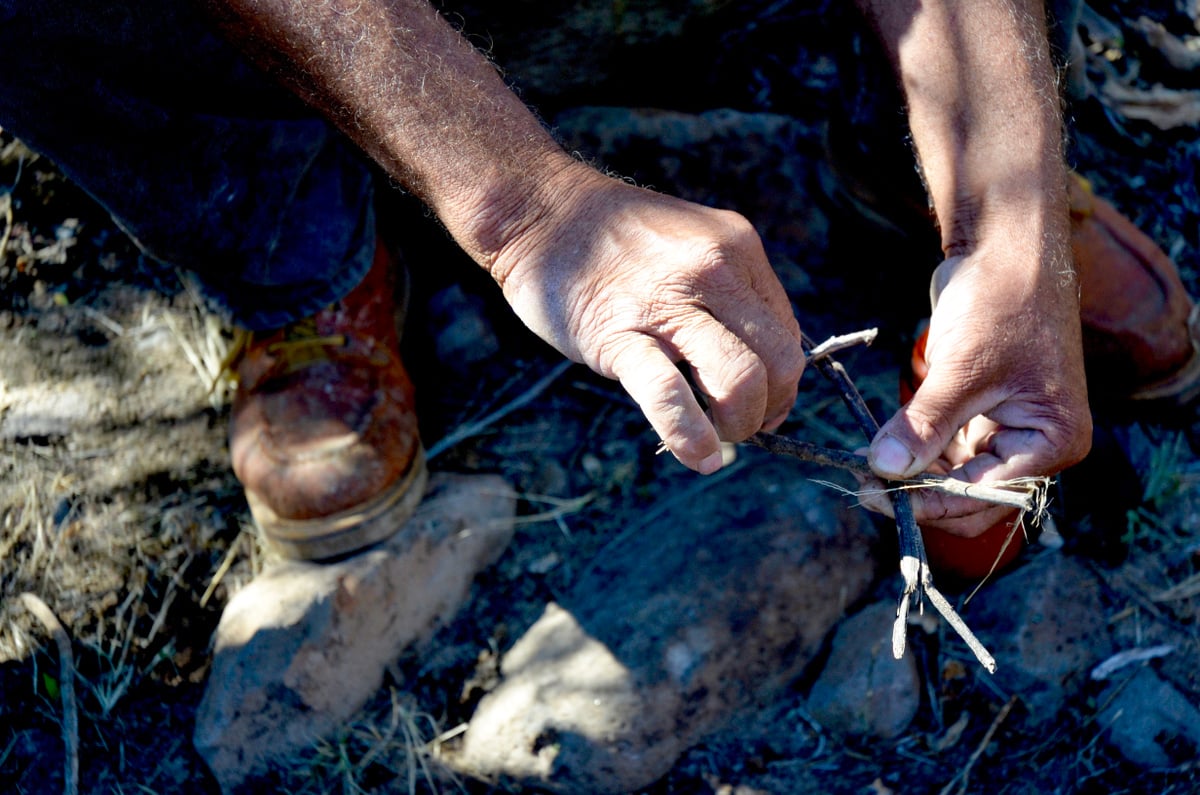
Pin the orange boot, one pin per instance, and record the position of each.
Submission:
(1141, 329)
(323, 432)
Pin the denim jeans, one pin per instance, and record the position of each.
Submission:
(203, 160)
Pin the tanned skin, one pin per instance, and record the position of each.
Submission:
(623, 279)
(1005, 395)
(632, 282)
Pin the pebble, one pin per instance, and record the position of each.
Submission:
(1149, 722)
(863, 690)
(1045, 624)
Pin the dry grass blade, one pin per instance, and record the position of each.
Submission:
(464, 432)
(1129, 657)
(1179, 591)
(965, 774)
(7, 210)
(66, 687)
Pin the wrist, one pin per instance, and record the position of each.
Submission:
(503, 205)
(1027, 214)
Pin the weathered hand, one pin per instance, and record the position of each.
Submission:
(632, 282)
(1005, 395)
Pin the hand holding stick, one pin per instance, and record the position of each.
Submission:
(914, 567)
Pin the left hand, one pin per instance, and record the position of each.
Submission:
(1005, 395)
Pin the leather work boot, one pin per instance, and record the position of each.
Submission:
(323, 432)
(1141, 329)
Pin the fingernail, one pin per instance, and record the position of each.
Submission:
(711, 464)
(891, 457)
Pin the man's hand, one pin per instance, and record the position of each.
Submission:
(1005, 395)
(632, 282)
(626, 280)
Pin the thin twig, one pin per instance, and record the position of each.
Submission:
(942, 605)
(965, 773)
(222, 570)
(464, 432)
(842, 342)
(66, 687)
(912, 547)
(914, 566)
(1021, 494)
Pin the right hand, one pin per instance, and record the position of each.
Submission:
(632, 282)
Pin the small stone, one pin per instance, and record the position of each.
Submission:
(304, 645)
(1150, 722)
(683, 625)
(863, 690)
(1045, 625)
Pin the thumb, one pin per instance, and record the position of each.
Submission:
(918, 434)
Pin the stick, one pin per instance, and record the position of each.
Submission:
(479, 426)
(941, 604)
(66, 688)
(1023, 498)
(965, 773)
(842, 342)
(912, 548)
(914, 566)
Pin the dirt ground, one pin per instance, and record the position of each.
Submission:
(118, 508)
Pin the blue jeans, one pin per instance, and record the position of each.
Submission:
(204, 161)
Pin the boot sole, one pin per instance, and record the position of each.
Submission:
(1183, 386)
(349, 531)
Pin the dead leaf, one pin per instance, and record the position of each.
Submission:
(953, 734)
(879, 788)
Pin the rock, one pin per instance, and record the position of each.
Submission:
(711, 607)
(1150, 722)
(862, 689)
(1045, 625)
(304, 645)
(532, 40)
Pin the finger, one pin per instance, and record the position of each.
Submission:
(664, 396)
(923, 428)
(729, 374)
(960, 516)
(764, 321)
(872, 494)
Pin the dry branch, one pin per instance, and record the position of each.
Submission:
(914, 567)
(1024, 494)
(66, 688)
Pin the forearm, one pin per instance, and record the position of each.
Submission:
(1005, 395)
(984, 114)
(418, 98)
